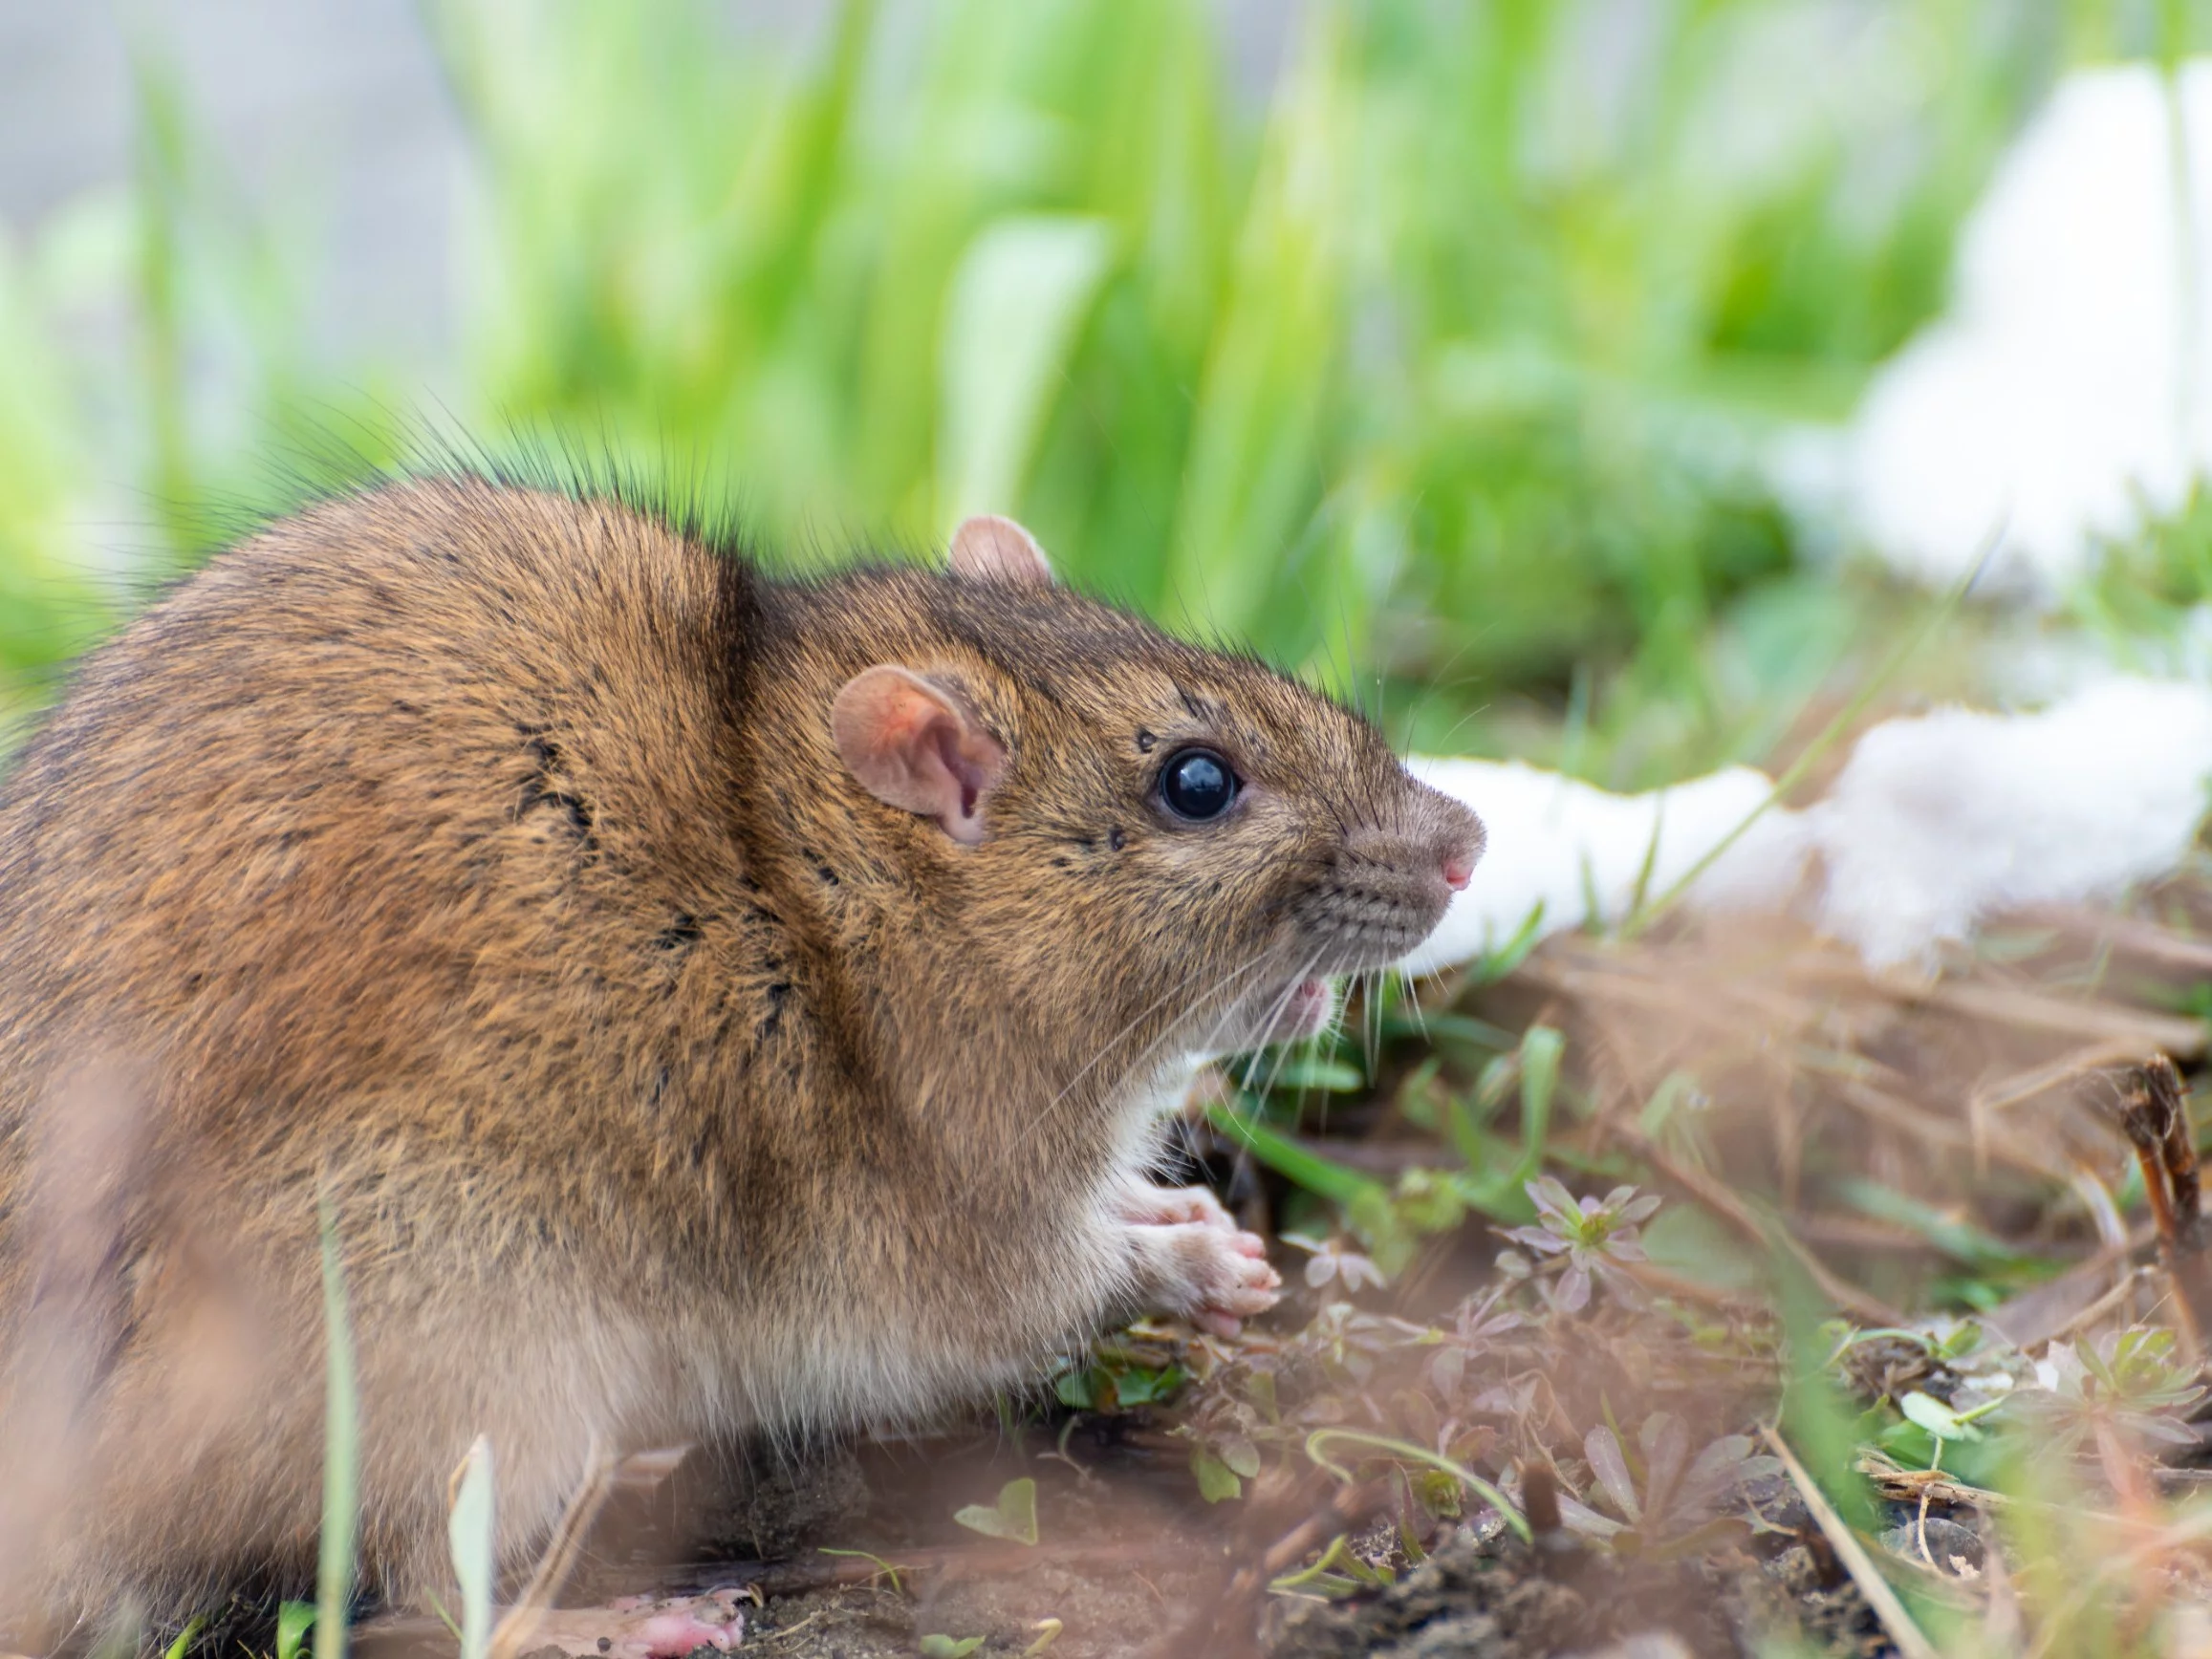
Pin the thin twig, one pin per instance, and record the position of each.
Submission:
(2177, 1149)
(1721, 1200)
(2035, 1011)
(521, 1622)
(2132, 934)
(2122, 1292)
(2025, 1086)
(1896, 1623)
(1933, 1486)
(2154, 1115)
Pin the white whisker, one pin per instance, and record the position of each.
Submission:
(1274, 1012)
(1143, 1055)
(1411, 984)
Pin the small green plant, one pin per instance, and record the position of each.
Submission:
(1674, 1508)
(1337, 1573)
(1114, 1379)
(294, 1621)
(1473, 1332)
(1403, 1452)
(1580, 1242)
(1012, 1518)
(2126, 1382)
(1221, 1468)
(1497, 1173)
(1332, 1261)
(1943, 1423)
(1948, 1341)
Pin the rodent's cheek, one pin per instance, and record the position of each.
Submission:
(1227, 896)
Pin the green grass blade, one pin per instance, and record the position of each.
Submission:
(341, 1452)
(469, 1534)
(1541, 1051)
(1285, 1156)
(1018, 299)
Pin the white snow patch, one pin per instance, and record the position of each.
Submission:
(1575, 849)
(1939, 821)
(1936, 823)
(2063, 398)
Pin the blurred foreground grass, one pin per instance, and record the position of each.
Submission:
(1457, 355)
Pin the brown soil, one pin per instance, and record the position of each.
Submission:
(1130, 1561)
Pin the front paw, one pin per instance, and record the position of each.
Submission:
(1145, 1206)
(1194, 1261)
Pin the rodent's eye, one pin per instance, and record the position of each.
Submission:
(1196, 784)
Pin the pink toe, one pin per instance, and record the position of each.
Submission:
(671, 1635)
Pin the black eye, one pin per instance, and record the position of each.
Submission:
(1196, 784)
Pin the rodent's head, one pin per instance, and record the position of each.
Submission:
(1131, 831)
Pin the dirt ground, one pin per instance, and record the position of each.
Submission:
(1130, 1561)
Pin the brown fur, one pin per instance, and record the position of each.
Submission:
(481, 860)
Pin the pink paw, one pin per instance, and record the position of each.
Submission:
(642, 1627)
(1146, 1205)
(1200, 1264)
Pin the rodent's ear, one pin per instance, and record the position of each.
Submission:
(990, 549)
(912, 745)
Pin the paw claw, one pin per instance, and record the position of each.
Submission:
(1202, 1265)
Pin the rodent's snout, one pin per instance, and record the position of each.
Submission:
(1388, 888)
(1462, 848)
(1454, 834)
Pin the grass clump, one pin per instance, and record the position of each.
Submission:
(1446, 351)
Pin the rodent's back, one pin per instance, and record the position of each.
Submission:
(441, 758)
(388, 857)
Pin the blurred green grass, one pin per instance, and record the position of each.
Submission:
(1444, 370)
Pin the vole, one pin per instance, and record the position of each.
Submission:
(707, 1002)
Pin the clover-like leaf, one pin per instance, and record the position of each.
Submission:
(294, 1621)
(1217, 1482)
(1013, 1517)
(1937, 1418)
(1242, 1456)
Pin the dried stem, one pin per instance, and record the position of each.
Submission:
(2153, 1114)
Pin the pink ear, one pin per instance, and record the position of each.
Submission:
(915, 748)
(990, 549)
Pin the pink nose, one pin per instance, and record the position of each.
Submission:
(1459, 870)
